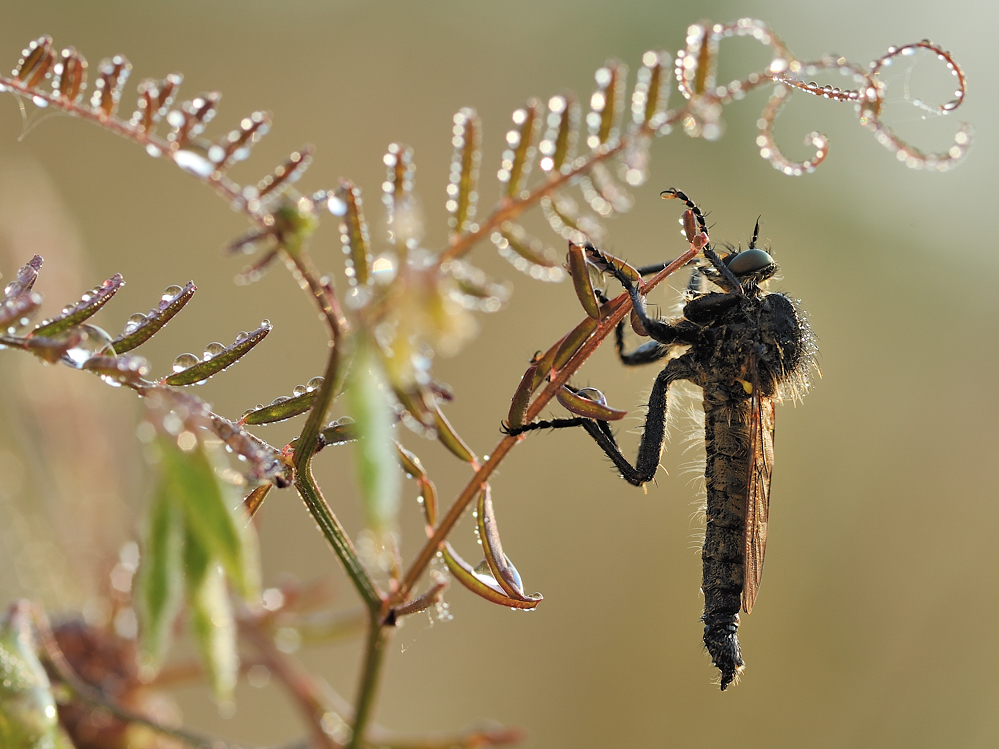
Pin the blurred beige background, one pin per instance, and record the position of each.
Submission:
(874, 626)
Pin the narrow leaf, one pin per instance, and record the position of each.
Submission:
(189, 476)
(191, 119)
(37, 55)
(572, 342)
(54, 349)
(450, 438)
(107, 89)
(235, 147)
(545, 363)
(25, 279)
(140, 328)
(697, 65)
(212, 622)
(354, 235)
(259, 461)
(284, 407)
(87, 307)
(484, 586)
(286, 174)
(462, 194)
(189, 370)
(651, 95)
(428, 492)
(499, 565)
(119, 370)
(588, 402)
(475, 288)
(519, 155)
(160, 583)
(405, 224)
(564, 218)
(603, 193)
(525, 254)
(70, 75)
(606, 104)
(580, 272)
(340, 432)
(155, 100)
(558, 147)
(522, 397)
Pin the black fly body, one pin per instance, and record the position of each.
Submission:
(746, 349)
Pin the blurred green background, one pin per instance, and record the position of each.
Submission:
(874, 626)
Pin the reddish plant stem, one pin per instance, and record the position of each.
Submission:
(619, 308)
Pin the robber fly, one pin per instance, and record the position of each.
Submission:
(746, 349)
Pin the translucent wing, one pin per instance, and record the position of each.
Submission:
(761, 466)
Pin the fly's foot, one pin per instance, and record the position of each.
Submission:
(723, 645)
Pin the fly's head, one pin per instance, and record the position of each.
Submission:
(749, 268)
(752, 266)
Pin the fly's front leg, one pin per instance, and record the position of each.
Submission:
(653, 436)
(658, 330)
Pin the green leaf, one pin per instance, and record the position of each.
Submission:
(368, 398)
(210, 513)
(463, 182)
(27, 708)
(25, 279)
(160, 582)
(143, 327)
(216, 359)
(284, 407)
(82, 310)
(212, 622)
(519, 156)
(354, 235)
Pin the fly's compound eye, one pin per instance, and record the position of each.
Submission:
(748, 261)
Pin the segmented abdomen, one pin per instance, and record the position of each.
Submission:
(726, 444)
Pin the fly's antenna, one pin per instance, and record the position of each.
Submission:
(756, 234)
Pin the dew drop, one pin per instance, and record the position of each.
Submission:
(300, 390)
(193, 163)
(336, 206)
(242, 336)
(170, 292)
(213, 349)
(185, 361)
(93, 341)
(134, 322)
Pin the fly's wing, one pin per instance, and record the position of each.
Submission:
(761, 466)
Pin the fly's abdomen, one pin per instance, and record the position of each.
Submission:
(726, 444)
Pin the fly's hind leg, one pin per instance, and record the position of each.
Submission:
(653, 436)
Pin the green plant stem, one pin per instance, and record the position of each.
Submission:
(336, 536)
(308, 440)
(374, 652)
(620, 307)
